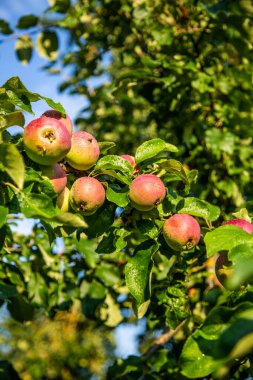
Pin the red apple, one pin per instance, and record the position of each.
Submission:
(84, 151)
(146, 192)
(46, 140)
(241, 223)
(57, 176)
(87, 195)
(181, 232)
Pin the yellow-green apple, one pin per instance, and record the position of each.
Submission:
(84, 151)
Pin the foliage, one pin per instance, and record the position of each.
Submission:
(177, 96)
(65, 347)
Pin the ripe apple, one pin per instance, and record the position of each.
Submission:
(146, 192)
(63, 200)
(46, 140)
(87, 195)
(57, 176)
(58, 116)
(130, 159)
(241, 223)
(84, 151)
(181, 232)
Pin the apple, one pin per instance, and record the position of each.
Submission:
(57, 176)
(84, 151)
(86, 195)
(146, 192)
(241, 223)
(46, 140)
(181, 232)
(58, 116)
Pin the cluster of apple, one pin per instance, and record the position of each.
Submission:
(50, 139)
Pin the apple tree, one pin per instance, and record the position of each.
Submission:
(153, 245)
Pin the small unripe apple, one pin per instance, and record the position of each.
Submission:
(146, 192)
(46, 140)
(57, 176)
(241, 223)
(130, 159)
(84, 151)
(58, 116)
(223, 269)
(181, 232)
(86, 195)
(63, 200)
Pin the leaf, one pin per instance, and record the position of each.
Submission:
(176, 168)
(110, 312)
(69, 219)
(117, 196)
(225, 238)
(138, 275)
(147, 227)
(11, 161)
(113, 162)
(13, 118)
(199, 208)
(20, 96)
(101, 221)
(151, 148)
(108, 274)
(27, 21)
(3, 215)
(4, 27)
(47, 45)
(104, 146)
(37, 206)
(242, 259)
(214, 343)
(24, 48)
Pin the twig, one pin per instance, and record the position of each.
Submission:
(162, 340)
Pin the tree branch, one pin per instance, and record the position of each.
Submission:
(162, 340)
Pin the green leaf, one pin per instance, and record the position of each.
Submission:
(69, 219)
(104, 146)
(147, 227)
(113, 162)
(218, 340)
(225, 238)
(242, 259)
(151, 148)
(108, 274)
(7, 291)
(3, 215)
(199, 208)
(117, 195)
(138, 275)
(13, 118)
(101, 221)
(27, 21)
(11, 161)
(175, 168)
(4, 27)
(87, 248)
(37, 206)
(47, 45)
(20, 96)
(24, 48)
